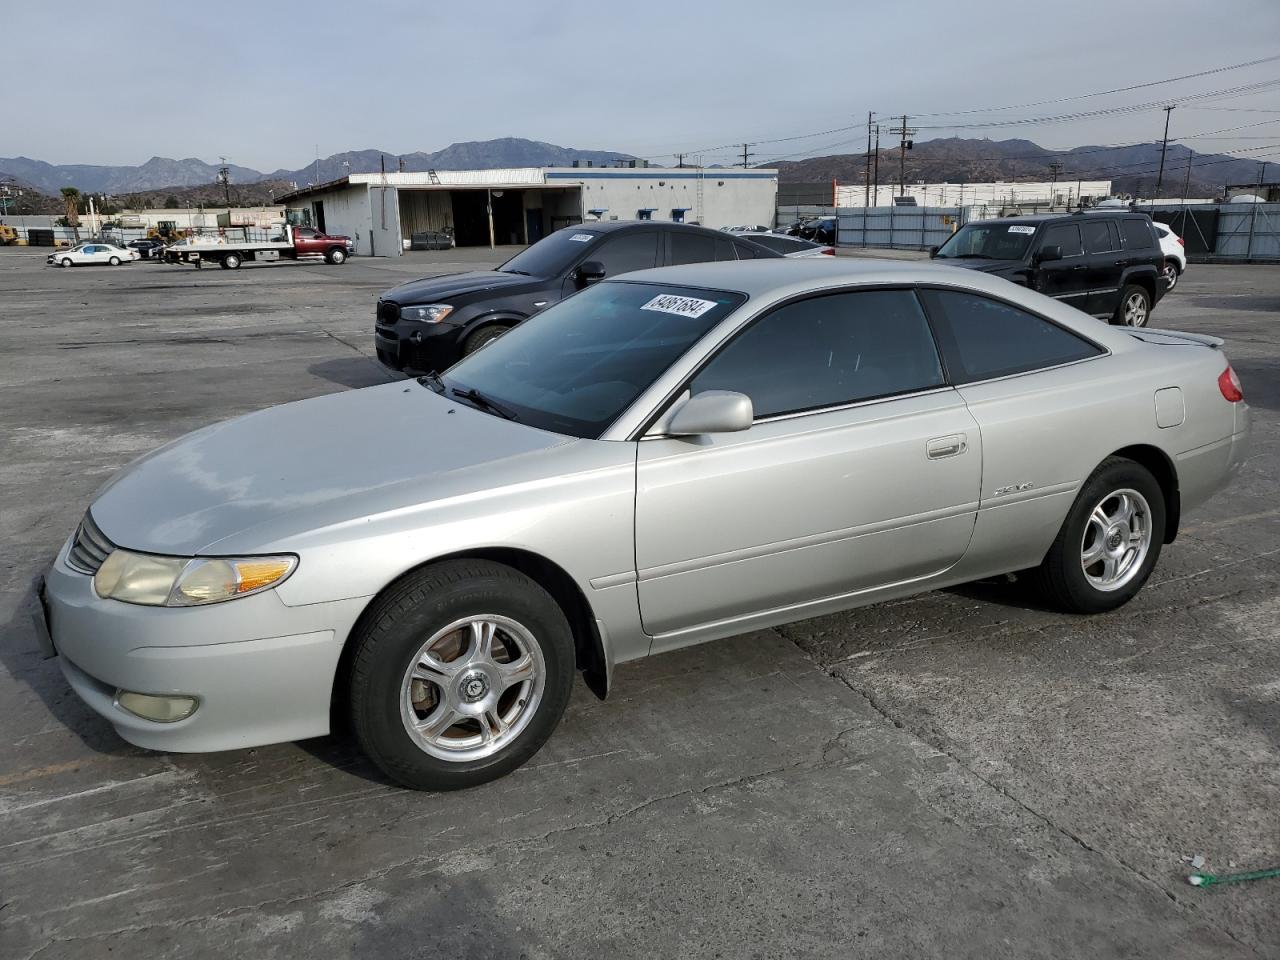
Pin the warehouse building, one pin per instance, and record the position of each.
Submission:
(382, 212)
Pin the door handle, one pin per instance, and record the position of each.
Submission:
(951, 446)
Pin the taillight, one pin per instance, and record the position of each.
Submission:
(1181, 242)
(829, 251)
(1229, 384)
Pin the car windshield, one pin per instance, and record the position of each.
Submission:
(574, 368)
(991, 240)
(551, 255)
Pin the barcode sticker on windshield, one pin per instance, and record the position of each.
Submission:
(681, 306)
(1016, 228)
(582, 237)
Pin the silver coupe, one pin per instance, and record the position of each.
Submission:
(671, 457)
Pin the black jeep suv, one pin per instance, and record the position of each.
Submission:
(1107, 264)
(430, 324)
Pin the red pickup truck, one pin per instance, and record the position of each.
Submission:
(230, 250)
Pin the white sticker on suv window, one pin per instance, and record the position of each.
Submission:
(681, 306)
(582, 237)
(1017, 228)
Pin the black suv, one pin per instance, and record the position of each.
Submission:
(432, 323)
(1107, 264)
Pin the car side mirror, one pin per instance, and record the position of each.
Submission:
(1051, 252)
(933, 252)
(712, 411)
(589, 272)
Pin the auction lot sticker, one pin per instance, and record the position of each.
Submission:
(1019, 228)
(680, 306)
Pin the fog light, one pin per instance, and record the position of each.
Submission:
(159, 709)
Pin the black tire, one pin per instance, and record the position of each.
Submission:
(336, 255)
(484, 335)
(231, 261)
(1061, 578)
(397, 624)
(1127, 312)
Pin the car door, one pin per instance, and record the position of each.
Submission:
(1065, 279)
(1039, 410)
(862, 469)
(1102, 255)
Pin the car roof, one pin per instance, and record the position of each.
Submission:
(1038, 218)
(610, 226)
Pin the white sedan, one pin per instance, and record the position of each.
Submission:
(1175, 254)
(85, 254)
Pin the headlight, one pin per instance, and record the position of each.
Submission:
(431, 313)
(181, 582)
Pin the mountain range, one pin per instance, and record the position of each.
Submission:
(160, 173)
(1132, 169)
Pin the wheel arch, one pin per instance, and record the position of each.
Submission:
(589, 647)
(1147, 281)
(489, 319)
(1161, 467)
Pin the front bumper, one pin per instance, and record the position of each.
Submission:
(413, 345)
(262, 672)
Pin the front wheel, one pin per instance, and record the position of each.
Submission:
(1109, 543)
(1135, 307)
(337, 255)
(66, 261)
(460, 675)
(483, 337)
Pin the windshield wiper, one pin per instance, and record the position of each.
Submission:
(474, 396)
(432, 382)
(523, 273)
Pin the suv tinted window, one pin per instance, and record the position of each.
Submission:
(631, 251)
(988, 338)
(826, 351)
(1065, 235)
(1137, 234)
(691, 247)
(1097, 236)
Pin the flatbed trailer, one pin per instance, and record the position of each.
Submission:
(229, 251)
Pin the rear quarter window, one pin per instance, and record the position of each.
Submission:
(1137, 234)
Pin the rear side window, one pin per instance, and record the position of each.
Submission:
(827, 351)
(986, 338)
(783, 245)
(724, 249)
(1098, 237)
(746, 251)
(691, 247)
(1137, 234)
(1064, 235)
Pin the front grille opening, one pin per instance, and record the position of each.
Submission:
(90, 547)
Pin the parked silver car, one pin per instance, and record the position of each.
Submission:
(668, 458)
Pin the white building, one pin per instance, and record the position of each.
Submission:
(380, 211)
(995, 194)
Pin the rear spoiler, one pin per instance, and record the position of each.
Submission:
(1149, 335)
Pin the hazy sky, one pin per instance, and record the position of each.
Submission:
(117, 83)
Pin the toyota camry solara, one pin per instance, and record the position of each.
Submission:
(672, 457)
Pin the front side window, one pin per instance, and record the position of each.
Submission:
(987, 338)
(576, 366)
(1066, 236)
(1137, 234)
(627, 252)
(826, 351)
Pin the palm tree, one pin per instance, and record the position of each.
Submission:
(71, 197)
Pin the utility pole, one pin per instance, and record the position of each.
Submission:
(679, 161)
(746, 155)
(1056, 167)
(905, 143)
(1186, 183)
(1164, 145)
(875, 169)
(866, 200)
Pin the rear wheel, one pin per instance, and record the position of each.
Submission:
(114, 261)
(460, 674)
(1109, 543)
(483, 336)
(231, 261)
(1135, 307)
(1170, 274)
(337, 255)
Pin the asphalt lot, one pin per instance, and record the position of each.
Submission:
(962, 773)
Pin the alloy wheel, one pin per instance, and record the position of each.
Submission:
(1170, 276)
(472, 688)
(1117, 539)
(1135, 310)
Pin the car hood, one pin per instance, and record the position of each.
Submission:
(440, 289)
(243, 484)
(982, 264)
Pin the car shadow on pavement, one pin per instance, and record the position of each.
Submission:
(1005, 592)
(353, 372)
(22, 658)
